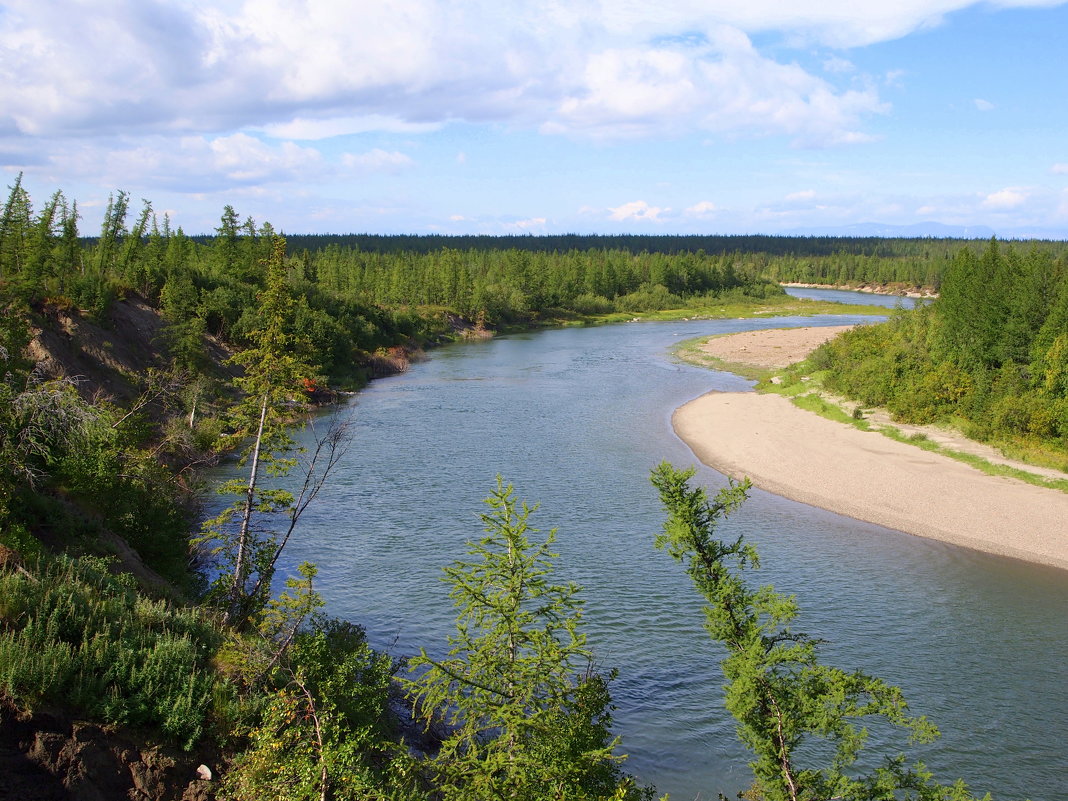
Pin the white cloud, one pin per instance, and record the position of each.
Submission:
(805, 194)
(706, 208)
(188, 163)
(1006, 199)
(243, 158)
(895, 78)
(839, 23)
(526, 225)
(1059, 169)
(312, 129)
(983, 105)
(722, 85)
(637, 211)
(315, 70)
(377, 160)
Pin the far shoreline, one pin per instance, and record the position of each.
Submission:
(919, 293)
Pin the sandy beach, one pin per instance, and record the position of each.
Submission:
(865, 475)
(771, 347)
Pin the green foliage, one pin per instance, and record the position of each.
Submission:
(802, 721)
(526, 718)
(54, 441)
(991, 351)
(318, 701)
(648, 297)
(184, 333)
(272, 387)
(73, 633)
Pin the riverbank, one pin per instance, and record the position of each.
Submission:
(862, 474)
(900, 290)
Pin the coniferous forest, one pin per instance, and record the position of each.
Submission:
(990, 355)
(120, 605)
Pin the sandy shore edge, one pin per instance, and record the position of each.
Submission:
(864, 475)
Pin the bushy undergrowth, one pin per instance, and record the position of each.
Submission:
(75, 634)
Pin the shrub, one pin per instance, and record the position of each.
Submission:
(77, 634)
(588, 303)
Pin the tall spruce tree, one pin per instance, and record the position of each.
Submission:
(277, 368)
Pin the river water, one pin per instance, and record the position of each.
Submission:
(575, 419)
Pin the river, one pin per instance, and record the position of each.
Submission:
(575, 418)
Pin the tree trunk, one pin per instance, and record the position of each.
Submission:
(241, 561)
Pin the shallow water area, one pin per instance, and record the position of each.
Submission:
(575, 418)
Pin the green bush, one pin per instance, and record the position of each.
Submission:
(588, 303)
(76, 634)
(649, 297)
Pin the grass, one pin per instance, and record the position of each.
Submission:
(689, 351)
(920, 440)
(776, 306)
(75, 634)
(814, 402)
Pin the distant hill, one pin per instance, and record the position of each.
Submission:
(923, 229)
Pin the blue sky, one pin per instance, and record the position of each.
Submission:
(544, 116)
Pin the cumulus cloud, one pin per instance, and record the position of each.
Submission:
(838, 64)
(313, 70)
(636, 211)
(139, 93)
(983, 105)
(706, 208)
(1059, 169)
(530, 224)
(894, 78)
(313, 129)
(1006, 199)
(720, 84)
(188, 163)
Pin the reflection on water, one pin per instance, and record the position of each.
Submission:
(576, 418)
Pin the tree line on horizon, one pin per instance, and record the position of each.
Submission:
(351, 302)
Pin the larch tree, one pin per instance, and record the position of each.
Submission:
(525, 715)
(797, 716)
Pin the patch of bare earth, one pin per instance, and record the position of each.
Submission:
(110, 357)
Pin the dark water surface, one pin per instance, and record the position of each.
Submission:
(575, 419)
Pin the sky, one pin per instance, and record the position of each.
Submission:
(544, 116)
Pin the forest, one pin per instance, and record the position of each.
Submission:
(991, 355)
(202, 650)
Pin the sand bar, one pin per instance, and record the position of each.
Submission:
(771, 347)
(865, 475)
